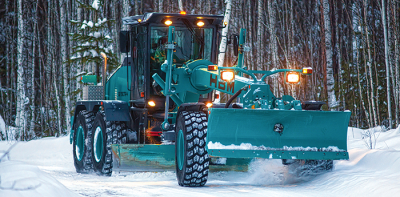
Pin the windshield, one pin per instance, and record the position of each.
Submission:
(196, 45)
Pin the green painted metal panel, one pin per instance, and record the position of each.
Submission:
(117, 84)
(323, 131)
(145, 157)
(89, 79)
(152, 157)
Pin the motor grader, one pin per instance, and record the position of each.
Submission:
(156, 111)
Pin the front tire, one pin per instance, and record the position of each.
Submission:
(191, 156)
(82, 142)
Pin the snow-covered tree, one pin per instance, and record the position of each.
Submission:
(92, 38)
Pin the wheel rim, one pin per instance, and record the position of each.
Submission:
(180, 150)
(79, 143)
(98, 144)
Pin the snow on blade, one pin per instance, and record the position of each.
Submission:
(248, 146)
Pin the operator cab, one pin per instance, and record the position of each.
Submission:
(195, 38)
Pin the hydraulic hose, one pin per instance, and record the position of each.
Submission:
(234, 96)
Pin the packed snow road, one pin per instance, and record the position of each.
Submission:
(369, 172)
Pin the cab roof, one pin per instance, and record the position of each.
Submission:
(157, 18)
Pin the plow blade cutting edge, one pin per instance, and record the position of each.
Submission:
(278, 134)
(161, 157)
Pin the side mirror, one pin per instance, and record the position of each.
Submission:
(124, 42)
(235, 39)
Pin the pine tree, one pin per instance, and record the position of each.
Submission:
(92, 38)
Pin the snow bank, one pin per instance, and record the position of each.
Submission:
(368, 172)
(19, 179)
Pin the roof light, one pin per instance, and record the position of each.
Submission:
(167, 22)
(182, 12)
(151, 103)
(200, 23)
(212, 67)
(227, 75)
(292, 77)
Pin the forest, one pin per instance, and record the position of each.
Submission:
(352, 45)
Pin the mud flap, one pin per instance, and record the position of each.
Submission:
(277, 134)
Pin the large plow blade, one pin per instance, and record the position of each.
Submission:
(277, 134)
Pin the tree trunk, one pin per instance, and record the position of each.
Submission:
(370, 66)
(180, 5)
(20, 118)
(64, 63)
(222, 46)
(260, 21)
(396, 76)
(339, 56)
(136, 7)
(33, 103)
(160, 6)
(387, 63)
(273, 46)
(355, 55)
(329, 64)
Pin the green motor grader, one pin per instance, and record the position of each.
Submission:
(156, 111)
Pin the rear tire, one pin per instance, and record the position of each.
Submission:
(82, 144)
(102, 140)
(106, 133)
(191, 156)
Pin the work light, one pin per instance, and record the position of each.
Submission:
(292, 77)
(151, 103)
(227, 76)
(200, 23)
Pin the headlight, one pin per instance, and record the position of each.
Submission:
(292, 77)
(151, 103)
(227, 75)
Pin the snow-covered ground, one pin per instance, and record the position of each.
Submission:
(45, 168)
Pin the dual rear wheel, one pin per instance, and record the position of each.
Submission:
(93, 137)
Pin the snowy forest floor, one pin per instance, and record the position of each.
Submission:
(369, 172)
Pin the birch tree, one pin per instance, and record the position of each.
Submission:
(21, 116)
(329, 64)
(389, 107)
(180, 3)
(222, 46)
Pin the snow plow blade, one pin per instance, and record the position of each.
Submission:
(278, 134)
(155, 158)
